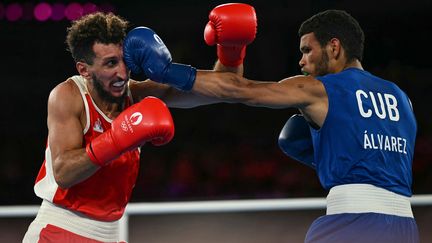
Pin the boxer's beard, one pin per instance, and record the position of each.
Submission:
(106, 95)
(322, 65)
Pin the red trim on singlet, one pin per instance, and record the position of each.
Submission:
(42, 170)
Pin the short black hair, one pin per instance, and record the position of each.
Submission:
(336, 24)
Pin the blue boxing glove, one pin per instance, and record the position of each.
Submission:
(295, 140)
(144, 51)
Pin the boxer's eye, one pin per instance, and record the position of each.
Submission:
(111, 63)
(305, 50)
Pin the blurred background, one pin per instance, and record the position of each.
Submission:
(222, 151)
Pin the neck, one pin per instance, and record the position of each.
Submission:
(354, 64)
(341, 65)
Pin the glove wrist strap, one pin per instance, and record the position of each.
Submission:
(180, 76)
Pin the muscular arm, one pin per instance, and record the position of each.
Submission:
(302, 92)
(176, 98)
(71, 163)
(172, 97)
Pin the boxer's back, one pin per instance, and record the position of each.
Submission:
(368, 135)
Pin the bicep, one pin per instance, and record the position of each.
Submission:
(65, 131)
(298, 92)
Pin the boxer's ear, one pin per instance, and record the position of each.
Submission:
(83, 69)
(335, 47)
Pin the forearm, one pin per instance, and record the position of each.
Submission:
(219, 67)
(72, 167)
(231, 88)
(222, 86)
(181, 99)
(211, 88)
(203, 96)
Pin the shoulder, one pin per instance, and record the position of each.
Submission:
(307, 84)
(302, 79)
(66, 96)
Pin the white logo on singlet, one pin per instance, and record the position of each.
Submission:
(386, 102)
(384, 106)
(384, 142)
(98, 126)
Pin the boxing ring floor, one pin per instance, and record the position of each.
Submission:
(252, 221)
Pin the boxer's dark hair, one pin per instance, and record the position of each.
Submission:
(94, 28)
(336, 24)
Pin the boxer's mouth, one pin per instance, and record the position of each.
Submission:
(119, 84)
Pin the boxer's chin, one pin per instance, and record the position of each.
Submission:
(116, 93)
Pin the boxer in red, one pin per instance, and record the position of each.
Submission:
(99, 118)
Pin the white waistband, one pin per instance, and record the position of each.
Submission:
(78, 223)
(365, 198)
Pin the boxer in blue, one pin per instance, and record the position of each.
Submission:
(356, 130)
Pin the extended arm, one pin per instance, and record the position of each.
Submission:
(303, 92)
(174, 97)
(290, 92)
(231, 27)
(171, 96)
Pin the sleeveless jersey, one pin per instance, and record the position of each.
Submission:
(105, 194)
(368, 135)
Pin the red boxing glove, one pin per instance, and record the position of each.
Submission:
(232, 26)
(148, 120)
